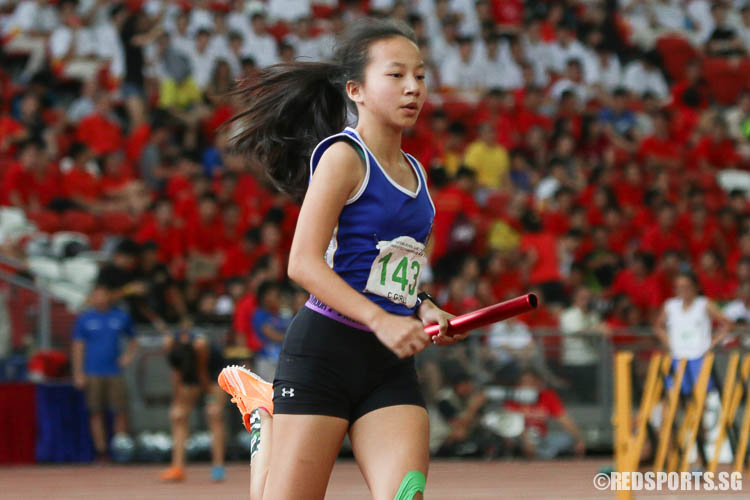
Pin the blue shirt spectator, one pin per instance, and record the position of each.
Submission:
(263, 319)
(267, 322)
(101, 332)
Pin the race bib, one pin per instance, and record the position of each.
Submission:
(396, 270)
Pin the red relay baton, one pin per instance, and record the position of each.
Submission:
(487, 315)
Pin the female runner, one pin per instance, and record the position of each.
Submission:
(346, 363)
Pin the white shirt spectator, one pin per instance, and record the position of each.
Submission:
(578, 350)
(540, 56)
(469, 24)
(182, 42)
(669, 15)
(502, 71)
(30, 16)
(460, 74)
(62, 38)
(200, 19)
(202, 64)
(560, 54)
(219, 46)
(289, 10)
(737, 310)
(688, 331)
(239, 22)
(306, 49)
(109, 47)
(579, 89)
(441, 49)
(610, 71)
(638, 79)
(699, 12)
(262, 48)
(546, 188)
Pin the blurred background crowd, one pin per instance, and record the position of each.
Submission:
(584, 150)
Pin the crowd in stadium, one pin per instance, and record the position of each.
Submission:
(586, 150)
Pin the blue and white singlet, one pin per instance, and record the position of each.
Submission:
(378, 245)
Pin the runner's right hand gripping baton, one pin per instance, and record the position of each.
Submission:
(488, 315)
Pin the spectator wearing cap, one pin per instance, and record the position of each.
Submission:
(98, 361)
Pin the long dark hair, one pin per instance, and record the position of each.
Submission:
(291, 107)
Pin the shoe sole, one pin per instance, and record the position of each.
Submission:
(232, 384)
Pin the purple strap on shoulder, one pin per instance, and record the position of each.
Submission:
(318, 306)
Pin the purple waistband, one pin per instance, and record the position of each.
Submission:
(316, 305)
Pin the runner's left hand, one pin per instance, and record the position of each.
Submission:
(430, 314)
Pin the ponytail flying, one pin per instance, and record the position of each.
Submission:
(289, 108)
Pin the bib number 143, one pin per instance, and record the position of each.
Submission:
(395, 272)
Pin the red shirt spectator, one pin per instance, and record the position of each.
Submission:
(80, 184)
(161, 227)
(544, 247)
(100, 133)
(451, 201)
(243, 321)
(644, 291)
(536, 415)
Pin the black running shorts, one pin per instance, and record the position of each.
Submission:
(329, 368)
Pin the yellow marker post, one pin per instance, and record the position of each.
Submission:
(622, 416)
(667, 418)
(699, 398)
(725, 417)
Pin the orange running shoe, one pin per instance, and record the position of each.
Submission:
(249, 391)
(173, 474)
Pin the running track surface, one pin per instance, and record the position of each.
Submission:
(448, 480)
